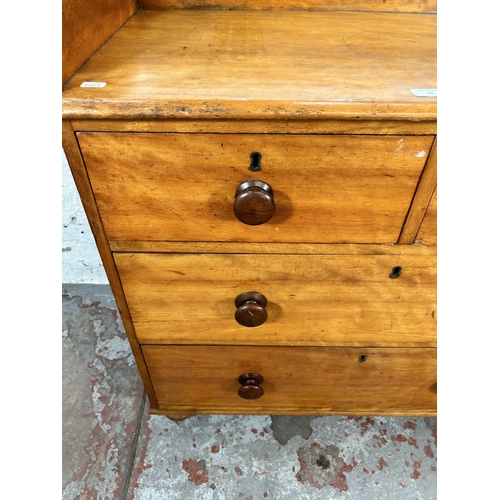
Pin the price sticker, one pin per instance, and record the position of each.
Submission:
(425, 92)
(93, 84)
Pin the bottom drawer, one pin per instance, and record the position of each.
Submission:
(296, 380)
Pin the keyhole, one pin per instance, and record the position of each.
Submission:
(255, 161)
(396, 272)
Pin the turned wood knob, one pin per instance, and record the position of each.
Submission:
(250, 388)
(251, 309)
(254, 203)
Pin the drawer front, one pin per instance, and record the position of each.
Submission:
(343, 300)
(295, 379)
(182, 187)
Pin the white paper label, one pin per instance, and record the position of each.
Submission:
(93, 84)
(425, 92)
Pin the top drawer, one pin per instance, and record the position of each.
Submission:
(182, 187)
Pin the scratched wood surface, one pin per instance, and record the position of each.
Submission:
(86, 26)
(360, 5)
(266, 65)
(296, 379)
(181, 187)
(312, 299)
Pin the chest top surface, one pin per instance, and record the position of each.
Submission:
(256, 64)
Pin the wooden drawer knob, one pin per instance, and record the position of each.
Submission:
(250, 388)
(251, 309)
(254, 203)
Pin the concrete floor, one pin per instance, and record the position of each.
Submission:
(114, 449)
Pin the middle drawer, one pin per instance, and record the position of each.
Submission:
(184, 187)
(316, 300)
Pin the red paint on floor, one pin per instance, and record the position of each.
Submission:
(410, 425)
(381, 463)
(196, 474)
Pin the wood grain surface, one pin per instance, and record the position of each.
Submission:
(311, 299)
(86, 26)
(296, 379)
(427, 234)
(181, 187)
(266, 65)
(269, 248)
(338, 127)
(426, 187)
(77, 167)
(357, 5)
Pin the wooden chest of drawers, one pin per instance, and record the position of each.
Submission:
(261, 187)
